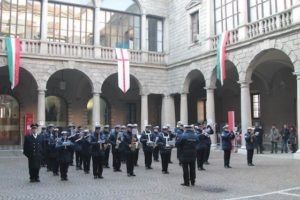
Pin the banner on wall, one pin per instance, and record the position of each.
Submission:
(28, 122)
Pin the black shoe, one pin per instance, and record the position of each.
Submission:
(170, 162)
(185, 184)
(251, 164)
(136, 165)
(149, 168)
(128, 175)
(95, 177)
(228, 166)
(107, 166)
(206, 163)
(119, 170)
(165, 172)
(55, 174)
(32, 181)
(132, 174)
(37, 180)
(193, 183)
(86, 172)
(100, 176)
(202, 169)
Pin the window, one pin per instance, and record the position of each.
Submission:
(155, 34)
(195, 26)
(255, 98)
(226, 15)
(70, 24)
(120, 24)
(259, 9)
(132, 113)
(200, 110)
(20, 18)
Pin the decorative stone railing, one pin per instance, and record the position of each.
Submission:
(37, 47)
(259, 28)
(233, 38)
(270, 24)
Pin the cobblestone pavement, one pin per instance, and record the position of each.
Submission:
(271, 178)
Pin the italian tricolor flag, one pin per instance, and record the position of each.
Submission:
(221, 56)
(13, 59)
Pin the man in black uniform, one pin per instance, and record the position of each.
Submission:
(105, 135)
(187, 144)
(156, 148)
(99, 145)
(65, 147)
(165, 148)
(148, 139)
(115, 140)
(32, 149)
(86, 149)
(129, 148)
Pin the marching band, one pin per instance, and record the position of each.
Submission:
(54, 149)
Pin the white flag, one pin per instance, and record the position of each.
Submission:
(123, 69)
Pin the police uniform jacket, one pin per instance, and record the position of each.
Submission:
(250, 141)
(64, 152)
(187, 144)
(162, 141)
(144, 139)
(226, 140)
(202, 142)
(95, 144)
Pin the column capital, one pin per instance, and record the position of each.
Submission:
(40, 91)
(210, 88)
(244, 83)
(144, 94)
(96, 93)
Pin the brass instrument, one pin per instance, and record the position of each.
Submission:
(119, 140)
(133, 144)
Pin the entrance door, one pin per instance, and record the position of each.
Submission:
(9, 120)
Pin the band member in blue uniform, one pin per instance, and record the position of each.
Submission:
(148, 141)
(115, 139)
(64, 146)
(179, 131)
(86, 150)
(156, 148)
(172, 137)
(227, 136)
(105, 135)
(187, 144)
(201, 147)
(136, 132)
(32, 149)
(53, 155)
(78, 148)
(130, 146)
(209, 130)
(71, 135)
(250, 144)
(99, 145)
(165, 147)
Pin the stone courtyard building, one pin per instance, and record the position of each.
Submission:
(68, 67)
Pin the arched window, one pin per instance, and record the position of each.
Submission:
(104, 112)
(21, 18)
(9, 120)
(56, 111)
(70, 23)
(120, 24)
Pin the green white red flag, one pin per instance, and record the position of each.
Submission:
(13, 60)
(123, 69)
(221, 56)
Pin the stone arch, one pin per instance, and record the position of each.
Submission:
(133, 75)
(212, 81)
(262, 57)
(191, 74)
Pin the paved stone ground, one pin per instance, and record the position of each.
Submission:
(272, 178)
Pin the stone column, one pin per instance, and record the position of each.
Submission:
(97, 24)
(41, 108)
(245, 109)
(297, 154)
(210, 113)
(144, 111)
(183, 108)
(44, 21)
(168, 111)
(96, 109)
(243, 9)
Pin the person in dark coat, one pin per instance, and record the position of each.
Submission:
(99, 146)
(115, 139)
(250, 145)
(105, 135)
(201, 147)
(148, 141)
(172, 137)
(227, 136)
(285, 135)
(43, 134)
(293, 139)
(209, 130)
(259, 133)
(32, 149)
(156, 134)
(64, 147)
(136, 132)
(71, 135)
(77, 140)
(130, 141)
(53, 155)
(165, 148)
(187, 144)
(86, 151)
(179, 131)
